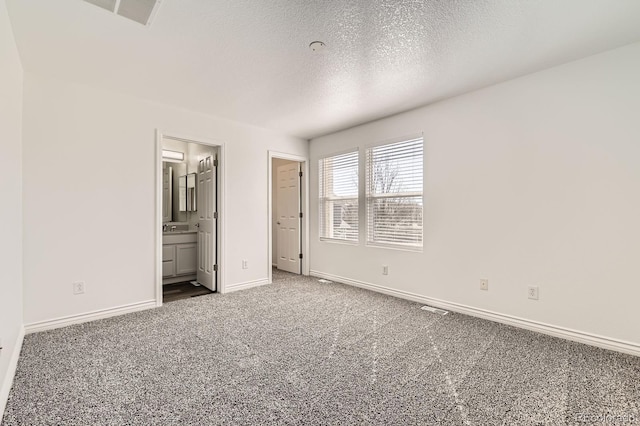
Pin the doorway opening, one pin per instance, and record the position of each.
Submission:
(288, 219)
(188, 219)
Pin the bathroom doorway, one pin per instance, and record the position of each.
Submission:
(188, 217)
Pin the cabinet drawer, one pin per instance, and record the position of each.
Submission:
(179, 238)
(168, 252)
(168, 269)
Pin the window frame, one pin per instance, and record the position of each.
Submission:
(324, 200)
(369, 197)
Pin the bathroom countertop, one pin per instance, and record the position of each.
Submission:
(189, 231)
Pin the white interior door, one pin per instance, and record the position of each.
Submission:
(207, 216)
(288, 218)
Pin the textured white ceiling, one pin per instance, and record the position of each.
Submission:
(248, 60)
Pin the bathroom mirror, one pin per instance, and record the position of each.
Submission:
(167, 193)
(187, 193)
(170, 184)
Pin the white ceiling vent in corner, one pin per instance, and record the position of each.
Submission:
(138, 10)
(141, 11)
(110, 5)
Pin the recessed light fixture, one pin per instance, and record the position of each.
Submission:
(317, 46)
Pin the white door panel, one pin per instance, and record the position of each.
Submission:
(288, 217)
(206, 222)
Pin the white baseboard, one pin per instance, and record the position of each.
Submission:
(552, 330)
(246, 285)
(89, 316)
(11, 372)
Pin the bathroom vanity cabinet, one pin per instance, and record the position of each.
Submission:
(179, 257)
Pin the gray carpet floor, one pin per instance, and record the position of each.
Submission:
(302, 352)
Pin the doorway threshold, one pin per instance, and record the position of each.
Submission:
(184, 290)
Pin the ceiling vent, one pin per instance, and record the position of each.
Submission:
(141, 11)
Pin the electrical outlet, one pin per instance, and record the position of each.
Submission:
(484, 284)
(385, 270)
(245, 264)
(532, 292)
(78, 287)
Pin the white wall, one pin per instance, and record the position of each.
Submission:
(11, 195)
(535, 181)
(74, 229)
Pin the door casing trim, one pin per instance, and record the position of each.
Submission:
(304, 231)
(221, 193)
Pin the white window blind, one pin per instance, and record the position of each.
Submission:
(338, 176)
(394, 175)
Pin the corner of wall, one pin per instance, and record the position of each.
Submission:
(11, 259)
(7, 382)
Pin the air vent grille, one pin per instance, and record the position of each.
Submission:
(141, 11)
(137, 10)
(435, 310)
(109, 5)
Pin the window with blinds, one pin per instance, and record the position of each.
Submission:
(394, 175)
(338, 176)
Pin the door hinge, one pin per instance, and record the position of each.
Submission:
(215, 268)
(300, 215)
(215, 163)
(215, 215)
(300, 255)
(300, 174)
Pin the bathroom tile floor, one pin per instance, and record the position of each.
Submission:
(184, 290)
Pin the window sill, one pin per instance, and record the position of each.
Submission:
(337, 241)
(395, 247)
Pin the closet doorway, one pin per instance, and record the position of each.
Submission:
(288, 219)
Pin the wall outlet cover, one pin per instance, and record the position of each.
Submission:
(78, 287)
(484, 284)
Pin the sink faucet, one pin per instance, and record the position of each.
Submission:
(165, 227)
(173, 228)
